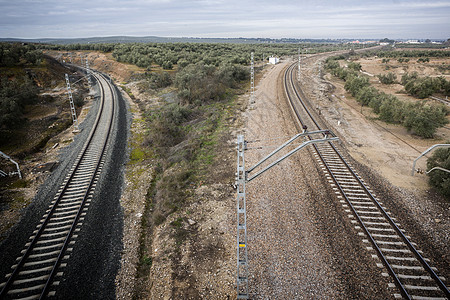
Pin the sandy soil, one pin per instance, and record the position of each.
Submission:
(206, 264)
(388, 151)
(387, 148)
(50, 154)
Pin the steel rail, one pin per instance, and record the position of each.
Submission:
(50, 213)
(419, 257)
(85, 197)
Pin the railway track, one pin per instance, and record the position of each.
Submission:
(41, 264)
(411, 274)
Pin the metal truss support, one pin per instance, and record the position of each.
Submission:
(242, 177)
(72, 106)
(242, 263)
(425, 152)
(88, 70)
(252, 79)
(14, 162)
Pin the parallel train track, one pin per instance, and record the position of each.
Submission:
(410, 271)
(42, 261)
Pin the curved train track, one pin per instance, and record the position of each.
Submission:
(43, 259)
(410, 272)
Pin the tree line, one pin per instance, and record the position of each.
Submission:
(14, 54)
(422, 118)
(18, 91)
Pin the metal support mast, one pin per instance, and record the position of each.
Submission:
(424, 153)
(88, 70)
(298, 73)
(14, 162)
(242, 177)
(72, 106)
(252, 78)
(242, 264)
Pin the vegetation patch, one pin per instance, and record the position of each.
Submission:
(440, 179)
(421, 118)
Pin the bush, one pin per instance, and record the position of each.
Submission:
(199, 84)
(12, 102)
(355, 83)
(388, 78)
(391, 109)
(437, 178)
(419, 118)
(167, 65)
(424, 119)
(166, 130)
(354, 66)
(423, 87)
(367, 95)
(231, 74)
(423, 59)
(158, 80)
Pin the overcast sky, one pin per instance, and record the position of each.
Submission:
(220, 18)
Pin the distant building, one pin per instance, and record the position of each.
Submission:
(273, 60)
(384, 44)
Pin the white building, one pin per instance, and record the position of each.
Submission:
(273, 60)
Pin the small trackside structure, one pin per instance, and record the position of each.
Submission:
(243, 177)
(273, 60)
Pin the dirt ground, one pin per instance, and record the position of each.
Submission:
(207, 263)
(30, 166)
(389, 151)
(387, 148)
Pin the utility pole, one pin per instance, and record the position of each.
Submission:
(72, 106)
(242, 263)
(243, 177)
(299, 70)
(252, 78)
(88, 70)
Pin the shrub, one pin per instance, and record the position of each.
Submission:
(12, 102)
(355, 83)
(231, 74)
(199, 83)
(423, 59)
(423, 87)
(437, 178)
(408, 77)
(166, 130)
(158, 80)
(388, 78)
(366, 95)
(424, 119)
(167, 65)
(354, 66)
(391, 109)
(332, 64)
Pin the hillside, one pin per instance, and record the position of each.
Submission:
(34, 111)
